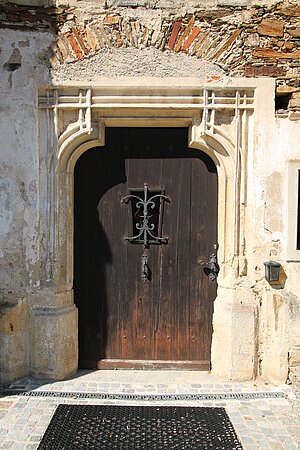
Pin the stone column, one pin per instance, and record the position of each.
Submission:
(234, 344)
(279, 334)
(14, 339)
(54, 338)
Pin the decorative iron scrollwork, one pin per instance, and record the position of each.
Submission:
(145, 226)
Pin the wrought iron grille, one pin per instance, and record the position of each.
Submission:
(147, 210)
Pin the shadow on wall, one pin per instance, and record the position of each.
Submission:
(27, 28)
(29, 15)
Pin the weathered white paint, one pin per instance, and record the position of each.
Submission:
(256, 326)
(19, 167)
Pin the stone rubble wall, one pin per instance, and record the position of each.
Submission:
(243, 38)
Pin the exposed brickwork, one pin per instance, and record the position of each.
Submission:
(190, 39)
(266, 44)
(74, 45)
(174, 35)
(242, 37)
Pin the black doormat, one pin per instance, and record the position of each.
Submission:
(139, 427)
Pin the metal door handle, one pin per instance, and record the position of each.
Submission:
(145, 269)
(214, 267)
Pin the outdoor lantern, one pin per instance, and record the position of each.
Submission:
(272, 269)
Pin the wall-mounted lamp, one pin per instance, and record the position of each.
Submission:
(272, 269)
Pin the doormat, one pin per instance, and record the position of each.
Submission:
(139, 427)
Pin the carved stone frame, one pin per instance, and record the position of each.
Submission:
(72, 119)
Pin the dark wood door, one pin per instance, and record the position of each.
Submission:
(123, 319)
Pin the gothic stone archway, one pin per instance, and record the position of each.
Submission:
(219, 124)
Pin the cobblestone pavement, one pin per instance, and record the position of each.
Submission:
(264, 416)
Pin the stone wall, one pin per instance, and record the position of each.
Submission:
(277, 305)
(243, 38)
(42, 43)
(21, 70)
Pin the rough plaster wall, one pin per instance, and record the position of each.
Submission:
(22, 70)
(277, 306)
(277, 142)
(134, 62)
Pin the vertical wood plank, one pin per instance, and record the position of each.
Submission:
(122, 317)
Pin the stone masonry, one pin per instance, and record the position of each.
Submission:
(218, 67)
(244, 38)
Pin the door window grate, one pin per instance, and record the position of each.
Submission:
(146, 215)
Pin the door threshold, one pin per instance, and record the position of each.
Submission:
(109, 364)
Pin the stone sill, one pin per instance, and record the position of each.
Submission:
(291, 115)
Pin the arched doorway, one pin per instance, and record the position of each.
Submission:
(148, 301)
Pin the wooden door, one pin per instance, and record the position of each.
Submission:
(125, 320)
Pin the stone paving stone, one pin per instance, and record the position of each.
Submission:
(35, 438)
(254, 419)
(248, 440)
(18, 446)
(8, 444)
